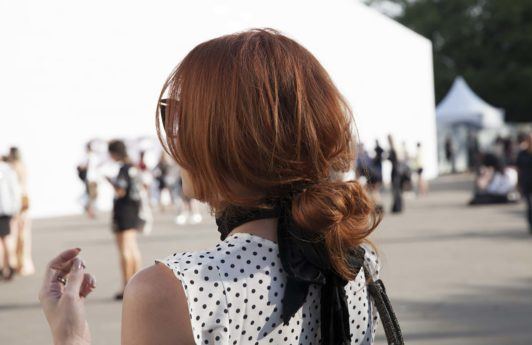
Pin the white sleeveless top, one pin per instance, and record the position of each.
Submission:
(234, 294)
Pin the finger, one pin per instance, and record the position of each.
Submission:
(75, 279)
(88, 285)
(62, 259)
(51, 287)
(67, 267)
(62, 262)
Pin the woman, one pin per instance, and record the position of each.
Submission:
(9, 206)
(88, 175)
(21, 221)
(396, 178)
(258, 127)
(126, 211)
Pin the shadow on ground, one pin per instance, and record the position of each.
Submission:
(486, 315)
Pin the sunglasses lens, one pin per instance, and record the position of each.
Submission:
(162, 110)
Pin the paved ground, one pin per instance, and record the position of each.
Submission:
(457, 275)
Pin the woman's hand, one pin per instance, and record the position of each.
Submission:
(63, 303)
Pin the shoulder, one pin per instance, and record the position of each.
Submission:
(152, 281)
(155, 309)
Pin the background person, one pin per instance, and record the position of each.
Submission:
(87, 172)
(494, 183)
(396, 177)
(524, 168)
(365, 167)
(449, 153)
(126, 212)
(9, 206)
(21, 221)
(163, 178)
(418, 168)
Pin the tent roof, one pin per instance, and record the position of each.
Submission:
(462, 105)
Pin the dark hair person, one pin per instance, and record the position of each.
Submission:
(126, 213)
(259, 129)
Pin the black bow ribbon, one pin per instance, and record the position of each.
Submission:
(305, 260)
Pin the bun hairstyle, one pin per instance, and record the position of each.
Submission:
(342, 213)
(252, 114)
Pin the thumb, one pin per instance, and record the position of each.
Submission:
(75, 278)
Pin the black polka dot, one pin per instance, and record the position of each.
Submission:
(239, 293)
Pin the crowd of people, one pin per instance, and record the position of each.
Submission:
(15, 232)
(141, 184)
(158, 176)
(406, 172)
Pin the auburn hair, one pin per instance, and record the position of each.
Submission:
(252, 114)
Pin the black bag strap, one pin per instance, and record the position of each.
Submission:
(389, 321)
(384, 307)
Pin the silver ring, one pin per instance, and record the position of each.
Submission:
(62, 280)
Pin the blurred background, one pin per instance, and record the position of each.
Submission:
(439, 90)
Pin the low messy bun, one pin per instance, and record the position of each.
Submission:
(341, 213)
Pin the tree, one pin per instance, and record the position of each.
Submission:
(488, 42)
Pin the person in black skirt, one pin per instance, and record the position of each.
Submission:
(126, 210)
(6, 271)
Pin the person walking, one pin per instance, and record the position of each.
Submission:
(21, 221)
(365, 168)
(449, 153)
(87, 172)
(396, 178)
(377, 176)
(126, 212)
(293, 265)
(419, 167)
(9, 206)
(524, 167)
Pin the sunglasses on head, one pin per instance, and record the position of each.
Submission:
(163, 103)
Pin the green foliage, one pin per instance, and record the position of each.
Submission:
(488, 42)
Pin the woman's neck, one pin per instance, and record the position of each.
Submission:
(265, 228)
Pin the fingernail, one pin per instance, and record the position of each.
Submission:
(77, 264)
(93, 282)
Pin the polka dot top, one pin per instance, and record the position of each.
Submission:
(234, 294)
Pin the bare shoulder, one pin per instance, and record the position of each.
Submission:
(154, 282)
(155, 309)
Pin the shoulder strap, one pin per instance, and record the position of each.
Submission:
(377, 291)
(384, 307)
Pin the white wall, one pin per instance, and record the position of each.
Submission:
(72, 70)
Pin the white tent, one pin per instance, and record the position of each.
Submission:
(462, 106)
(75, 71)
